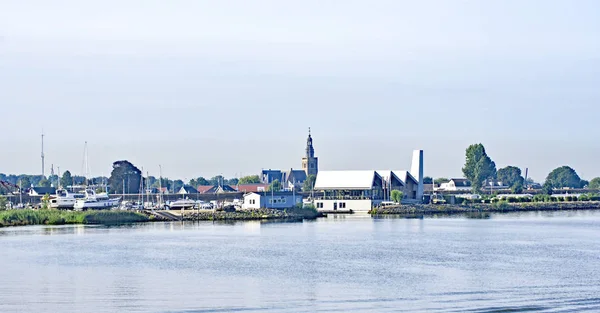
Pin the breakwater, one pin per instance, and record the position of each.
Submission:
(427, 209)
(296, 214)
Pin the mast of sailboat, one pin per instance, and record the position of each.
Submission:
(160, 198)
(43, 156)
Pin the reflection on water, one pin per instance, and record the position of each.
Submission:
(516, 262)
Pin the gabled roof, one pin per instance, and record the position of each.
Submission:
(188, 190)
(203, 189)
(296, 176)
(346, 180)
(461, 182)
(252, 187)
(43, 190)
(386, 174)
(406, 176)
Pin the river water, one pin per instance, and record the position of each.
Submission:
(546, 262)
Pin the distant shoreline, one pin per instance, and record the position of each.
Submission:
(451, 209)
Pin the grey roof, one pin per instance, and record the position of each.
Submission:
(44, 190)
(188, 189)
(296, 176)
(461, 182)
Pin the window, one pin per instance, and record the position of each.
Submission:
(342, 205)
(319, 205)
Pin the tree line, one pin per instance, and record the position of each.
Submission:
(480, 170)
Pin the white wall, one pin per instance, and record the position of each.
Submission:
(354, 205)
(251, 201)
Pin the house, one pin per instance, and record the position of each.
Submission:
(252, 187)
(456, 184)
(294, 179)
(215, 189)
(275, 200)
(42, 191)
(188, 190)
(269, 176)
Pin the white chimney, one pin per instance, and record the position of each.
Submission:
(417, 171)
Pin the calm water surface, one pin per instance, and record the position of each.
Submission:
(547, 262)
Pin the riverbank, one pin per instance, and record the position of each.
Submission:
(427, 209)
(296, 214)
(56, 217)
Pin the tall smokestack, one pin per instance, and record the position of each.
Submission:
(417, 171)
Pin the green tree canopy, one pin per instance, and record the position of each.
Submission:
(441, 180)
(125, 173)
(309, 183)
(44, 183)
(564, 176)
(427, 180)
(275, 185)
(24, 182)
(511, 176)
(216, 181)
(177, 184)
(253, 179)
(594, 183)
(478, 166)
(3, 203)
(397, 196)
(232, 181)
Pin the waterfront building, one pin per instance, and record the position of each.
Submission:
(361, 190)
(271, 200)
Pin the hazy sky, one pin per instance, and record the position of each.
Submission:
(211, 87)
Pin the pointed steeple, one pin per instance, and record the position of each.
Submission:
(310, 150)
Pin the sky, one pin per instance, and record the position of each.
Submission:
(230, 87)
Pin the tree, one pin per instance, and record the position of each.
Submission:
(275, 185)
(564, 176)
(216, 181)
(397, 196)
(24, 182)
(3, 203)
(201, 181)
(511, 176)
(253, 179)
(66, 179)
(478, 166)
(594, 183)
(232, 181)
(309, 183)
(427, 180)
(46, 202)
(178, 184)
(44, 183)
(78, 180)
(125, 173)
(517, 188)
(547, 188)
(441, 180)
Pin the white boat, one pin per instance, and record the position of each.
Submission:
(95, 201)
(181, 204)
(64, 199)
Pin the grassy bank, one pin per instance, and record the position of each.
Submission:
(491, 208)
(56, 217)
(255, 214)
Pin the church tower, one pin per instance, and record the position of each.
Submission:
(310, 164)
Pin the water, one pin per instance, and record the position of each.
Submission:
(546, 262)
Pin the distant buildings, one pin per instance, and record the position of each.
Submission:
(294, 179)
(455, 184)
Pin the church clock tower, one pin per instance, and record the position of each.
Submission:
(310, 164)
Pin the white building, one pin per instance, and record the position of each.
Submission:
(361, 190)
(275, 200)
(456, 184)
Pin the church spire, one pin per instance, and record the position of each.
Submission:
(310, 151)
